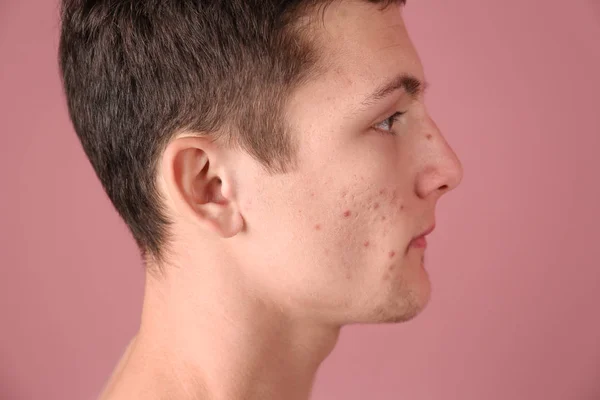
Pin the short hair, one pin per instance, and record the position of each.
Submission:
(136, 73)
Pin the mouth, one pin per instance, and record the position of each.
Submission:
(421, 240)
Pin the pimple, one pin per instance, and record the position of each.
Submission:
(386, 276)
(392, 254)
(318, 227)
(376, 206)
(347, 213)
(367, 243)
(429, 136)
(382, 192)
(383, 218)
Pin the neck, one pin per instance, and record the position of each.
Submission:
(207, 337)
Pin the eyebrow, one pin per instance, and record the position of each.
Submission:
(411, 85)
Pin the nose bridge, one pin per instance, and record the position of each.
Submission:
(443, 170)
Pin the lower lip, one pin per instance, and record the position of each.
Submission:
(420, 242)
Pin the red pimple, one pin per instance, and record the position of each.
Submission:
(376, 206)
(347, 213)
(402, 207)
(392, 254)
(382, 191)
(367, 243)
(318, 227)
(383, 218)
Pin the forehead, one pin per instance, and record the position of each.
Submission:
(360, 46)
(359, 38)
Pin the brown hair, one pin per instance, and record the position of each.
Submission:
(137, 72)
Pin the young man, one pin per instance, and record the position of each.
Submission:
(278, 169)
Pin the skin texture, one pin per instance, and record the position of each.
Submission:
(266, 269)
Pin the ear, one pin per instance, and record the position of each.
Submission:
(200, 185)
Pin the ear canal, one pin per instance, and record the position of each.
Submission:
(214, 193)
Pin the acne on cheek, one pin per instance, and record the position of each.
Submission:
(384, 196)
(346, 214)
(393, 198)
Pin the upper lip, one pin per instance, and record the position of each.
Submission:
(427, 232)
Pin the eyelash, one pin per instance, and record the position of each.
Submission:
(391, 120)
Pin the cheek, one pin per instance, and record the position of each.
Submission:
(330, 224)
(390, 207)
(381, 209)
(363, 221)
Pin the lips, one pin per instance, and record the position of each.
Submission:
(427, 232)
(421, 240)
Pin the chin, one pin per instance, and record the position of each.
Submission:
(408, 314)
(396, 309)
(406, 305)
(401, 301)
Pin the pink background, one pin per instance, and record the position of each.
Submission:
(514, 261)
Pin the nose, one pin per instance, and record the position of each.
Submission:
(442, 171)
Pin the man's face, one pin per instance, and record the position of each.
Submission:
(330, 240)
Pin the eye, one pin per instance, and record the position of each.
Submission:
(387, 124)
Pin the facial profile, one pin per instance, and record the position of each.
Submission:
(331, 239)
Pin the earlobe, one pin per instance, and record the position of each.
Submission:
(217, 213)
(221, 219)
(200, 186)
